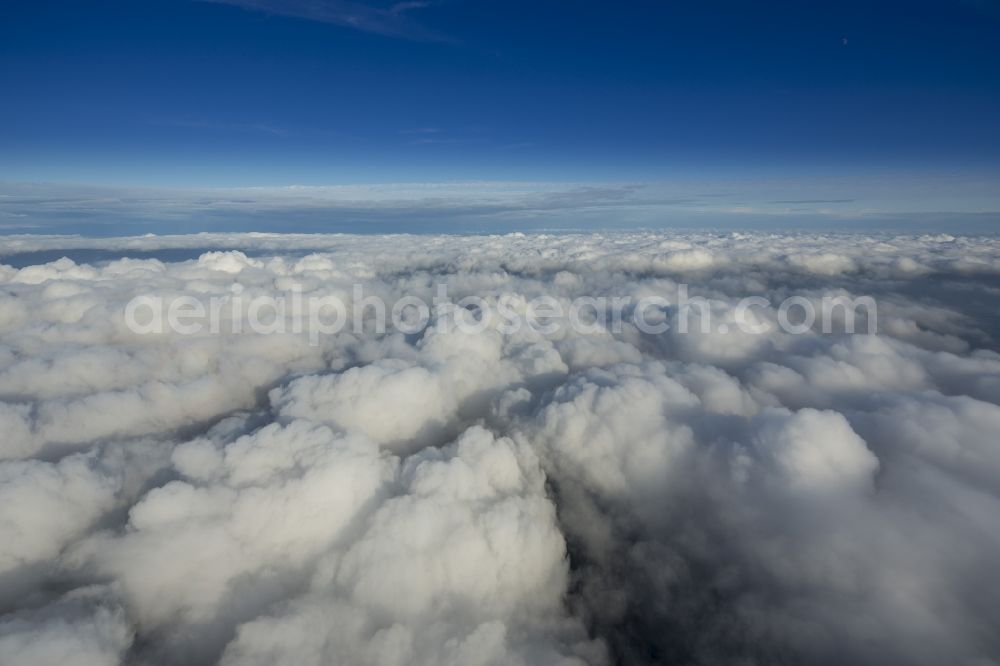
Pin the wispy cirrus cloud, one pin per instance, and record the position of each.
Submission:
(392, 21)
(240, 127)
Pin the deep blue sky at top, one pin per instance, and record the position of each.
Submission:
(252, 92)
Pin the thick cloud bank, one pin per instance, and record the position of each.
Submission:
(592, 494)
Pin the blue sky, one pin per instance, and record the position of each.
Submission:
(250, 93)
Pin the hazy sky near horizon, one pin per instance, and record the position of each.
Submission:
(251, 93)
(951, 203)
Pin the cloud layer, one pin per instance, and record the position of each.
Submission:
(583, 497)
(961, 203)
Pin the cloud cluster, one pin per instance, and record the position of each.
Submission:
(598, 495)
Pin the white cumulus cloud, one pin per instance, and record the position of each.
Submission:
(596, 493)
